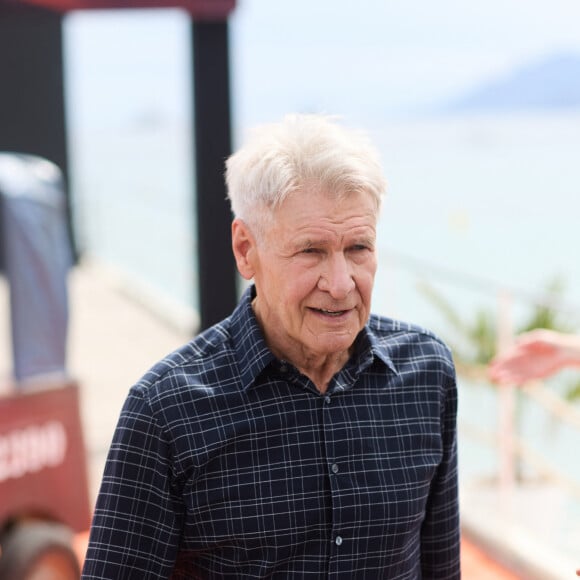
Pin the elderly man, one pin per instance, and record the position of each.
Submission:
(302, 437)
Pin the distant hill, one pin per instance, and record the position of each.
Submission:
(552, 83)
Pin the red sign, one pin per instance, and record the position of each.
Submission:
(199, 9)
(43, 468)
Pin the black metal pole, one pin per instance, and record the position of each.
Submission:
(32, 102)
(217, 273)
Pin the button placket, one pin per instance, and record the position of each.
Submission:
(332, 414)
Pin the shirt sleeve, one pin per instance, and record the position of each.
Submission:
(139, 513)
(440, 541)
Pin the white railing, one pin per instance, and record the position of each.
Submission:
(512, 448)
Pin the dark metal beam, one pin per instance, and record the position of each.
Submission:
(199, 9)
(217, 273)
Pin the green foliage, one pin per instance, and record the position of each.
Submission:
(545, 315)
(472, 341)
(482, 334)
(573, 392)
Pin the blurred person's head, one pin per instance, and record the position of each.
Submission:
(306, 194)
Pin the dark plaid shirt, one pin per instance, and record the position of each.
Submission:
(228, 463)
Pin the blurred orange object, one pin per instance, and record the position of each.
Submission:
(477, 565)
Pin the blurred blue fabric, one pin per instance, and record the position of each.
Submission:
(36, 259)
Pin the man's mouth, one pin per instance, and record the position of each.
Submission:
(333, 313)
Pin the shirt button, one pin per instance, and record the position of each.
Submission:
(338, 540)
(283, 368)
(327, 400)
(334, 468)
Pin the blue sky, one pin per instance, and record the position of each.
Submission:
(414, 50)
(377, 56)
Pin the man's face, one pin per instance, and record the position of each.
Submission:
(314, 271)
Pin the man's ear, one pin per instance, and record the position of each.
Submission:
(244, 247)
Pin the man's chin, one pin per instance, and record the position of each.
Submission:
(330, 343)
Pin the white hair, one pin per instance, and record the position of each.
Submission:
(282, 158)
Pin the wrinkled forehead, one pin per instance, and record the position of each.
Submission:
(310, 208)
(312, 192)
(307, 200)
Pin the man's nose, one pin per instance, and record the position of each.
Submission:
(337, 279)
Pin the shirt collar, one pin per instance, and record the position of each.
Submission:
(254, 356)
(377, 348)
(252, 353)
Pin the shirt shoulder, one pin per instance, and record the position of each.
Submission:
(221, 360)
(192, 364)
(401, 340)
